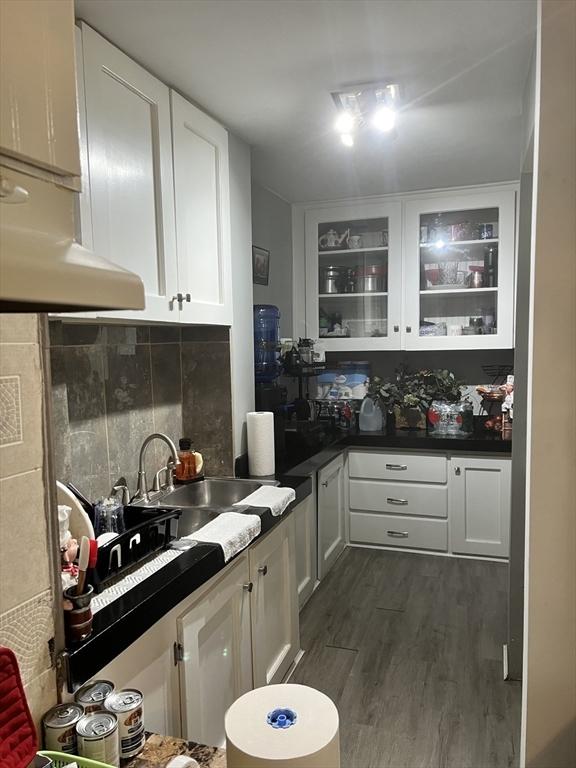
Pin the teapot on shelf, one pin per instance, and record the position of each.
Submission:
(332, 239)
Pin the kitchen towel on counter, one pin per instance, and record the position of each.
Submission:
(270, 496)
(282, 726)
(260, 433)
(232, 530)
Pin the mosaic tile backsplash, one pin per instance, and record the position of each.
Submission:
(114, 385)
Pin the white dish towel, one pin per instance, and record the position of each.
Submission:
(276, 499)
(232, 530)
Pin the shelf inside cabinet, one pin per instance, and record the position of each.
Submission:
(351, 295)
(460, 291)
(448, 243)
(340, 251)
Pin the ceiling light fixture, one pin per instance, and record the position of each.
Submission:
(384, 119)
(372, 105)
(345, 122)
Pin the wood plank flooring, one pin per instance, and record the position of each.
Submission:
(409, 647)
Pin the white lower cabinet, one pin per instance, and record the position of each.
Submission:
(149, 666)
(306, 547)
(445, 503)
(331, 515)
(238, 631)
(480, 506)
(215, 650)
(274, 602)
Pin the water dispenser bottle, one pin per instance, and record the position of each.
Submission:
(266, 343)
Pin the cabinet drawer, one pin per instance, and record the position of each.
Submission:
(395, 531)
(399, 498)
(405, 467)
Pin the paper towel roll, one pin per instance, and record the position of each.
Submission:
(313, 741)
(260, 431)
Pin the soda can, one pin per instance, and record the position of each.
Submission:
(127, 705)
(98, 737)
(92, 695)
(59, 728)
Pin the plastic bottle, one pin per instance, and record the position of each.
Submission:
(370, 416)
(186, 470)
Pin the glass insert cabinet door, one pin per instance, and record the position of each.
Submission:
(459, 272)
(353, 276)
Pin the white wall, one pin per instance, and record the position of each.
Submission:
(549, 690)
(272, 230)
(241, 333)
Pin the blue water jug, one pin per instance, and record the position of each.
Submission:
(266, 343)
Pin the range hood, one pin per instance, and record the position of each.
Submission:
(42, 268)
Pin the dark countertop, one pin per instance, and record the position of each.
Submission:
(159, 750)
(305, 460)
(419, 439)
(123, 621)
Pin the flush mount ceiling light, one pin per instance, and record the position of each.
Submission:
(369, 105)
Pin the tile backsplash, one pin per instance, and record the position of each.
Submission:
(26, 599)
(114, 385)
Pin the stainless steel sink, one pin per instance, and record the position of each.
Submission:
(192, 519)
(213, 493)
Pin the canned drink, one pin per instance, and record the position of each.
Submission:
(59, 727)
(128, 707)
(98, 737)
(92, 695)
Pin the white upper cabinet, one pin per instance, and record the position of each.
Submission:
(443, 280)
(459, 271)
(202, 200)
(129, 154)
(38, 123)
(156, 198)
(353, 276)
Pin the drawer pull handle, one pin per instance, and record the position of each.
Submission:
(398, 534)
(263, 570)
(400, 502)
(248, 587)
(399, 467)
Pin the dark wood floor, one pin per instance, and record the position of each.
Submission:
(409, 647)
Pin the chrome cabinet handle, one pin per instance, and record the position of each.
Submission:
(398, 534)
(401, 502)
(325, 484)
(248, 587)
(263, 570)
(12, 193)
(408, 329)
(399, 467)
(396, 328)
(457, 471)
(181, 297)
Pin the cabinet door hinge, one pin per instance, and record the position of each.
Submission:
(63, 676)
(178, 653)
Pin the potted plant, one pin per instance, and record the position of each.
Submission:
(409, 395)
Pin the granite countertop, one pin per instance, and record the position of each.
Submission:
(121, 622)
(159, 750)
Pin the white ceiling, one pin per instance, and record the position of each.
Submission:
(265, 68)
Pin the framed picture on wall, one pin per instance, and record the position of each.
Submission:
(260, 265)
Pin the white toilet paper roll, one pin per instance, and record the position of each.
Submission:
(312, 741)
(260, 431)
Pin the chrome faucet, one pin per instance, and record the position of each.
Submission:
(174, 461)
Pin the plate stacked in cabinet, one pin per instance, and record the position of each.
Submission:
(398, 500)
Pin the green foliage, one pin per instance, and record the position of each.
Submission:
(415, 389)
